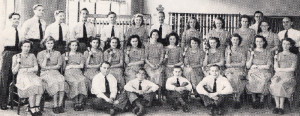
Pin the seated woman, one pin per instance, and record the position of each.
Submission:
(173, 54)
(140, 89)
(94, 58)
(235, 57)
(258, 61)
(134, 57)
(74, 62)
(283, 82)
(50, 62)
(114, 55)
(193, 60)
(214, 55)
(28, 83)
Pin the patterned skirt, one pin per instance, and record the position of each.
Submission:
(156, 75)
(89, 74)
(283, 84)
(258, 81)
(76, 82)
(194, 75)
(53, 81)
(29, 84)
(235, 76)
(131, 72)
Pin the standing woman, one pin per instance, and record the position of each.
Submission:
(219, 31)
(214, 55)
(193, 61)
(134, 57)
(28, 83)
(94, 58)
(258, 17)
(272, 38)
(50, 62)
(173, 56)
(74, 63)
(258, 61)
(138, 28)
(283, 82)
(192, 30)
(235, 58)
(154, 55)
(114, 55)
(245, 32)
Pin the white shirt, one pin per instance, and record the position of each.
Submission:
(166, 29)
(30, 28)
(77, 31)
(173, 80)
(106, 32)
(293, 34)
(98, 85)
(223, 85)
(133, 85)
(255, 27)
(53, 30)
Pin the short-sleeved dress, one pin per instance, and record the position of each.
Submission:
(133, 56)
(174, 57)
(247, 36)
(96, 59)
(75, 77)
(140, 31)
(272, 40)
(188, 34)
(53, 80)
(192, 58)
(236, 75)
(28, 83)
(116, 59)
(283, 83)
(258, 79)
(215, 57)
(154, 53)
(222, 35)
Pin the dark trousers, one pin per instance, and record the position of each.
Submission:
(6, 75)
(134, 96)
(101, 104)
(211, 102)
(175, 97)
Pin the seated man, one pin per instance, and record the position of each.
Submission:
(178, 89)
(213, 89)
(104, 86)
(139, 90)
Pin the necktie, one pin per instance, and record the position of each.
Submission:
(215, 86)
(113, 31)
(107, 90)
(286, 34)
(140, 85)
(60, 37)
(178, 83)
(84, 31)
(160, 31)
(41, 30)
(17, 38)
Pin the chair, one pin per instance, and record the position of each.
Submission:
(291, 101)
(12, 93)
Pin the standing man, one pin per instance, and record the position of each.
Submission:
(8, 47)
(104, 86)
(163, 28)
(59, 31)
(33, 29)
(83, 30)
(112, 30)
(258, 17)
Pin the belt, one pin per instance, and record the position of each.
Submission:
(11, 48)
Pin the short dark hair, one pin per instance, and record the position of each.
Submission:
(222, 20)
(26, 41)
(214, 65)
(264, 39)
(162, 13)
(235, 35)
(154, 30)
(72, 41)
(105, 62)
(216, 39)
(291, 18)
(143, 69)
(178, 67)
(247, 17)
(118, 42)
(197, 40)
(172, 34)
(85, 10)
(111, 12)
(57, 12)
(256, 12)
(140, 44)
(12, 14)
(37, 5)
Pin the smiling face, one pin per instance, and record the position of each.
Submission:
(104, 68)
(214, 71)
(286, 45)
(113, 43)
(235, 41)
(154, 36)
(287, 23)
(141, 75)
(258, 17)
(192, 23)
(112, 18)
(244, 22)
(138, 21)
(212, 43)
(39, 11)
(161, 18)
(218, 24)
(49, 44)
(177, 72)
(259, 42)
(264, 26)
(73, 46)
(60, 17)
(15, 20)
(84, 15)
(134, 42)
(172, 40)
(94, 43)
(194, 44)
(26, 47)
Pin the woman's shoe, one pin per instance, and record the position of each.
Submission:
(275, 111)
(81, 107)
(76, 107)
(281, 111)
(61, 109)
(55, 110)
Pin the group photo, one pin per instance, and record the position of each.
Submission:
(149, 57)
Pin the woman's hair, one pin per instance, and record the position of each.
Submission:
(292, 49)
(264, 39)
(154, 30)
(49, 38)
(172, 34)
(94, 38)
(197, 26)
(112, 38)
(259, 24)
(140, 44)
(26, 41)
(70, 42)
(222, 20)
(140, 16)
(247, 17)
(235, 35)
(197, 40)
(216, 39)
